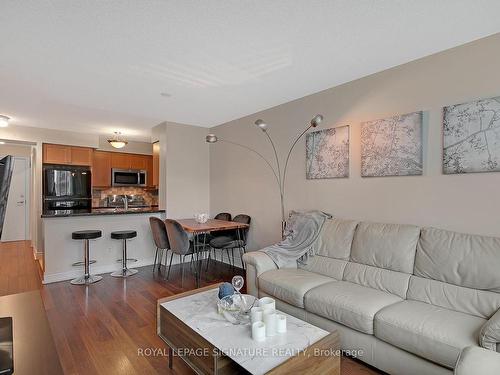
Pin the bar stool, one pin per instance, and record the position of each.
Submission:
(124, 235)
(86, 235)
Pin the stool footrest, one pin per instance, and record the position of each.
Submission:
(76, 264)
(128, 260)
(124, 273)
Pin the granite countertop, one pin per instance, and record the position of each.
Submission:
(102, 211)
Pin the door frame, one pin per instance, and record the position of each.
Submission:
(27, 196)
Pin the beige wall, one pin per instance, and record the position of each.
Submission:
(184, 169)
(15, 150)
(240, 182)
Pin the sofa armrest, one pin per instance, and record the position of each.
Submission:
(489, 336)
(256, 263)
(476, 360)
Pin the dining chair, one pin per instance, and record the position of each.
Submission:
(160, 239)
(232, 241)
(179, 244)
(226, 216)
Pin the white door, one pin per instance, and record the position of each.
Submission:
(16, 223)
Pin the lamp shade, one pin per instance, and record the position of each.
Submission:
(211, 138)
(261, 124)
(316, 120)
(117, 141)
(117, 144)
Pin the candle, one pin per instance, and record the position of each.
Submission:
(270, 321)
(258, 331)
(280, 323)
(256, 314)
(267, 303)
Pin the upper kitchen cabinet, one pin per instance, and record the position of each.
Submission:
(101, 170)
(120, 160)
(70, 155)
(149, 171)
(156, 164)
(81, 155)
(139, 161)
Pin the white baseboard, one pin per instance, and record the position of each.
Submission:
(36, 254)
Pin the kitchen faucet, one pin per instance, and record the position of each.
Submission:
(125, 202)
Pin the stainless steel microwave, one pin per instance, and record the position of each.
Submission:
(128, 177)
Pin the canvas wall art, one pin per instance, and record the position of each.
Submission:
(392, 146)
(471, 137)
(327, 153)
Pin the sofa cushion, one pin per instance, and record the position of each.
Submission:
(389, 246)
(429, 331)
(290, 285)
(350, 304)
(377, 278)
(335, 239)
(481, 303)
(326, 266)
(461, 259)
(332, 248)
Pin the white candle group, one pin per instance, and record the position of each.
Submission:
(280, 323)
(256, 314)
(267, 303)
(270, 322)
(258, 331)
(266, 321)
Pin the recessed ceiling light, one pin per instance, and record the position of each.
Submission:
(4, 121)
(2, 142)
(165, 94)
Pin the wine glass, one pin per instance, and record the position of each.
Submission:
(237, 282)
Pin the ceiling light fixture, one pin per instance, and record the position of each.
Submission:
(117, 141)
(4, 121)
(2, 142)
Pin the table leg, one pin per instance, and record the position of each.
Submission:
(196, 250)
(238, 236)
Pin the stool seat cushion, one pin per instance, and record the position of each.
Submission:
(123, 234)
(86, 234)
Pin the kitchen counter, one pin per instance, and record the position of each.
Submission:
(61, 251)
(102, 211)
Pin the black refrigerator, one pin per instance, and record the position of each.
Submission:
(66, 188)
(6, 168)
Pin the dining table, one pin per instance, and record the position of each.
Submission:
(199, 230)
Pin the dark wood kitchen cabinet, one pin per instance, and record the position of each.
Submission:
(69, 155)
(120, 160)
(101, 169)
(139, 161)
(81, 156)
(105, 161)
(156, 164)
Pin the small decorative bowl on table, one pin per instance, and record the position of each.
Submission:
(236, 308)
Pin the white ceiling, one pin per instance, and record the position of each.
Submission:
(100, 66)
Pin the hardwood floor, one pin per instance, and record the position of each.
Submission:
(18, 269)
(104, 328)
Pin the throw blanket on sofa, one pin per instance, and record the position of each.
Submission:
(302, 230)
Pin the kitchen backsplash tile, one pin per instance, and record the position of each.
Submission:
(99, 195)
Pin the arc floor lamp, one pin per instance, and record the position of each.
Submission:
(279, 174)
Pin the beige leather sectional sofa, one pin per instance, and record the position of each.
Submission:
(411, 298)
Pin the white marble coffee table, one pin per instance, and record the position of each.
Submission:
(191, 322)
